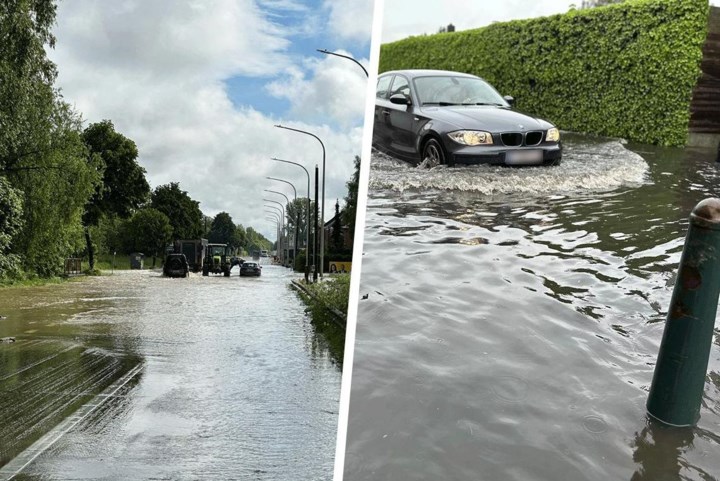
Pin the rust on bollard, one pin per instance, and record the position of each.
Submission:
(679, 379)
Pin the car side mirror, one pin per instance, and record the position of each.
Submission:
(509, 99)
(400, 99)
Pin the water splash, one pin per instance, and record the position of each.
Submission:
(604, 165)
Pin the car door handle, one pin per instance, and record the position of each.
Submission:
(386, 112)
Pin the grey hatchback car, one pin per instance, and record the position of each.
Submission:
(443, 117)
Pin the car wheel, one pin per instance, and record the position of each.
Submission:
(433, 154)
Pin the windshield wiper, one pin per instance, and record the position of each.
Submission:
(485, 103)
(441, 104)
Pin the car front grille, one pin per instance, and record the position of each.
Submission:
(517, 139)
(533, 138)
(512, 139)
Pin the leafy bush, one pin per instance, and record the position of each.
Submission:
(10, 224)
(333, 293)
(625, 70)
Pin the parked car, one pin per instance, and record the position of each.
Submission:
(176, 265)
(250, 269)
(452, 118)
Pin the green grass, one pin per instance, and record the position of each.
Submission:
(332, 293)
(32, 282)
(104, 262)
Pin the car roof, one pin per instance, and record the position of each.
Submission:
(414, 73)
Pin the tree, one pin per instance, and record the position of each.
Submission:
(150, 231)
(56, 183)
(42, 155)
(27, 97)
(240, 237)
(296, 213)
(123, 188)
(10, 224)
(184, 213)
(206, 224)
(350, 210)
(256, 241)
(222, 230)
(337, 240)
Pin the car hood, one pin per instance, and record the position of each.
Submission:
(483, 117)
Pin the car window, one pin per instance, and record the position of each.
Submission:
(400, 86)
(383, 85)
(456, 90)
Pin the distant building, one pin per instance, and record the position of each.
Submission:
(346, 239)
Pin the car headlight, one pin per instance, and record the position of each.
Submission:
(553, 135)
(471, 137)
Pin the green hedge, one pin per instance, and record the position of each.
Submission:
(625, 70)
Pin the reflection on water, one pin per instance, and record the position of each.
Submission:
(236, 383)
(512, 323)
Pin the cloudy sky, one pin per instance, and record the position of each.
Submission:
(199, 84)
(403, 18)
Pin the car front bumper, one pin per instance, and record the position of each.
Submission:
(176, 272)
(496, 155)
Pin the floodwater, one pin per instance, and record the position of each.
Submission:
(514, 316)
(137, 376)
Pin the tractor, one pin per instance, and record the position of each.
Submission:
(217, 260)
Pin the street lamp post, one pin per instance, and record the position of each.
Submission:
(274, 220)
(322, 208)
(283, 220)
(297, 215)
(307, 243)
(326, 51)
(288, 203)
(276, 212)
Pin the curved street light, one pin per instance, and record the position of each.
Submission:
(297, 214)
(307, 242)
(286, 228)
(328, 52)
(322, 208)
(271, 209)
(282, 229)
(274, 221)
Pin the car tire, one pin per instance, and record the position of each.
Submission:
(434, 153)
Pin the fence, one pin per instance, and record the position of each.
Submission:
(73, 266)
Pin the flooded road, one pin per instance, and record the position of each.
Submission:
(514, 316)
(157, 378)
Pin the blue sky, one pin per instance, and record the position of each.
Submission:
(306, 34)
(199, 84)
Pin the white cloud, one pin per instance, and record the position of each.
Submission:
(351, 19)
(335, 90)
(403, 18)
(156, 69)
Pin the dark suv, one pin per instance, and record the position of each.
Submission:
(176, 265)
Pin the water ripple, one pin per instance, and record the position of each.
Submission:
(518, 328)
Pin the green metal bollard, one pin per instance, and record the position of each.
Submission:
(679, 379)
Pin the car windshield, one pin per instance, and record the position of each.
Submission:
(451, 90)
